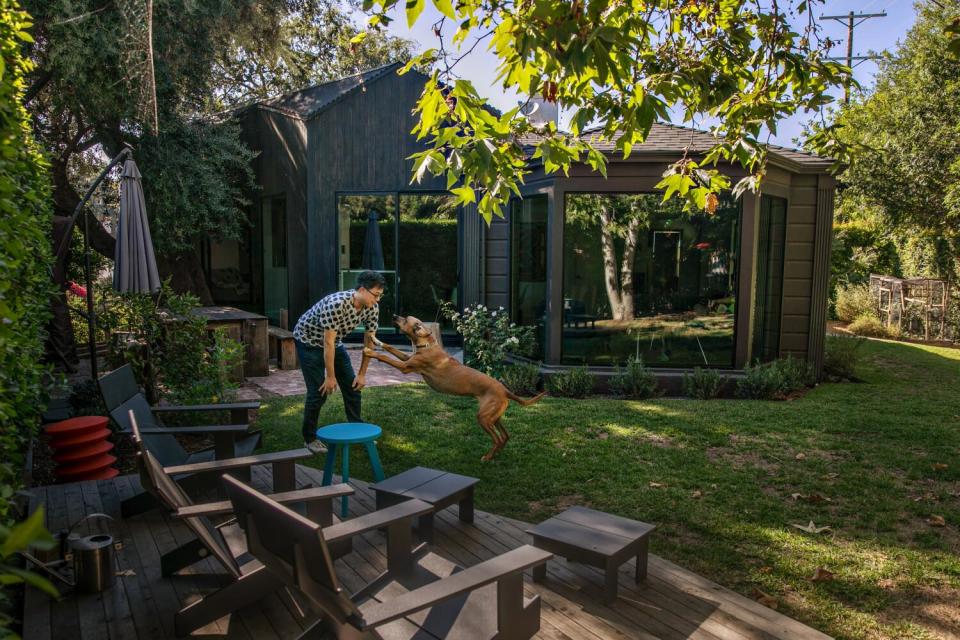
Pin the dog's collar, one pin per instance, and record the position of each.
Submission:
(421, 347)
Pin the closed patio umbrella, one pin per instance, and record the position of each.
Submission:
(372, 245)
(135, 265)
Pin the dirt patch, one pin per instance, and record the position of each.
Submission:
(742, 460)
(658, 440)
(933, 608)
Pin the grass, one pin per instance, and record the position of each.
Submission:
(873, 461)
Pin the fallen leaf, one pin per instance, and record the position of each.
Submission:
(811, 528)
(939, 466)
(887, 583)
(936, 521)
(816, 498)
(765, 599)
(603, 435)
(822, 575)
(656, 485)
(801, 456)
(832, 476)
(797, 496)
(765, 569)
(697, 494)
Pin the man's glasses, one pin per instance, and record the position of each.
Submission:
(376, 296)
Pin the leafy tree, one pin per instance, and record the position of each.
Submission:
(907, 178)
(86, 99)
(618, 67)
(312, 46)
(621, 219)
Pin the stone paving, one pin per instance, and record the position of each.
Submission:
(290, 382)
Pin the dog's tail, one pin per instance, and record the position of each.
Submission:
(525, 402)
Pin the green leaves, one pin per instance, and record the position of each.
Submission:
(414, 9)
(618, 68)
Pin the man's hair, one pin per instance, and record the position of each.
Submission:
(371, 279)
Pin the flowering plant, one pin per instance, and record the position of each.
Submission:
(489, 336)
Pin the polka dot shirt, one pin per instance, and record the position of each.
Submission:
(335, 311)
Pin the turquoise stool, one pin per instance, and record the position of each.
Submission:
(341, 436)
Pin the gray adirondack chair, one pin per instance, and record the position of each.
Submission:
(248, 582)
(421, 595)
(122, 397)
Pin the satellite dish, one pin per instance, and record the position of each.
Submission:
(540, 112)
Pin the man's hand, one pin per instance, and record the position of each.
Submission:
(329, 385)
(359, 382)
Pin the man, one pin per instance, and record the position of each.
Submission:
(323, 358)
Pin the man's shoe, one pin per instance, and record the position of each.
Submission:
(316, 447)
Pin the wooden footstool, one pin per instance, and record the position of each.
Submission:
(439, 488)
(594, 538)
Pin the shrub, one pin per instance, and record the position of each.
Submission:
(169, 348)
(25, 293)
(636, 380)
(870, 326)
(775, 380)
(521, 378)
(489, 337)
(854, 301)
(572, 383)
(840, 357)
(86, 400)
(702, 384)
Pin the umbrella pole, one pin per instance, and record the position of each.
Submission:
(91, 320)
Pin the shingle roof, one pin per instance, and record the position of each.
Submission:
(307, 103)
(666, 138)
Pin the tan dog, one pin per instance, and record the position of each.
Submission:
(447, 375)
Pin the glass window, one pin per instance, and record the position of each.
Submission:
(647, 280)
(528, 265)
(429, 260)
(768, 295)
(367, 230)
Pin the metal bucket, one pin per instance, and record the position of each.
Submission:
(93, 558)
(93, 562)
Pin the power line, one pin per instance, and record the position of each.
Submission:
(852, 21)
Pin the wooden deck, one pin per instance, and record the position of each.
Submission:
(672, 603)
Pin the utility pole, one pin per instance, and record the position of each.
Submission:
(853, 20)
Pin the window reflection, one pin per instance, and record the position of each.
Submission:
(646, 280)
(528, 265)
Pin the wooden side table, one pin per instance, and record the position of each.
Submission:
(438, 488)
(595, 538)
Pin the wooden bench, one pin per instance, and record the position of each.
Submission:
(595, 538)
(282, 347)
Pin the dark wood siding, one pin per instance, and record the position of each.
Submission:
(359, 144)
(497, 249)
(280, 168)
(798, 266)
(821, 272)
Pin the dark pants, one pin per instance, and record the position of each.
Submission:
(314, 372)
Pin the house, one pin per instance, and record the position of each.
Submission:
(600, 268)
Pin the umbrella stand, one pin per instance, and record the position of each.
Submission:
(91, 320)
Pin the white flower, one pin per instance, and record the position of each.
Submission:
(494, 314)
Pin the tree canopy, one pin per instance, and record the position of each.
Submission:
(619, 67)
(906, 177)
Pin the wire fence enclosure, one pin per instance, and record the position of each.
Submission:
(917, 307)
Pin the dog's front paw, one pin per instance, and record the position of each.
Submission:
(367, 351)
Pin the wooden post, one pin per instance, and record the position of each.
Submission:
(284, 319)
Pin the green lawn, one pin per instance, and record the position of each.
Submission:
(719, 477)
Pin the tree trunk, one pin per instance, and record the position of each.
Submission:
(610, 279)
(186, 274)
(626, 269)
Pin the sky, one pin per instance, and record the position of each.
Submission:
(873, 35)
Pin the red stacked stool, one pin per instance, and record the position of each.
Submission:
(81, 450)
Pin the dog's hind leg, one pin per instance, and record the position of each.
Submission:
(504, 436)
(491, 430)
